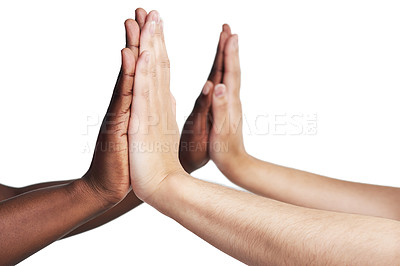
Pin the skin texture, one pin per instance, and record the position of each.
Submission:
(129, 202)
(253, 229)
(151, 105)
(214, 130)
(55, 211)
(278, 182)
(193, 152)
(64, 208)
(201, 114)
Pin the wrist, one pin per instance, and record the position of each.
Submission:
(234, 164)
(84, 189)
(168, 189)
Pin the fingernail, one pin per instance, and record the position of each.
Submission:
(206, 88)
(162, 25)
(152, 28)
(156, 17)
(219, 90)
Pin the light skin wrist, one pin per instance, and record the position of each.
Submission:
(169, 188)
(233, 164)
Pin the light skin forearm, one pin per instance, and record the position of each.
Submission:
(311, 190)
(267, 179)
(42, 216)
(258, 231)
(253, 229)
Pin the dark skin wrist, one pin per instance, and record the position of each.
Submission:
(84, 190)
(107, 196)
(130, 201)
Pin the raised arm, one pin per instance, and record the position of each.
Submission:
(253, 229)
(293, 186)
(36, 218)
(127, 204)
(130, 201)
(193, 148)
(261, 231)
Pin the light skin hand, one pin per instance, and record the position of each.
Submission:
(194, 152)
(278, 182)
(226, 137)
(253, 229)
(153, 131)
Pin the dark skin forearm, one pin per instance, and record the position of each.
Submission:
(42, 216)
(107, 158)
(35, 216)
(6, 192)
(127, 204)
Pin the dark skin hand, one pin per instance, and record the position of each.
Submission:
(130, 201)
(194, 151)
(56, 209)
(106, 193)
(198, 123)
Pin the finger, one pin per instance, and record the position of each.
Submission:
(204, 100)
(140, 101)
(132, 33)
(154, 17)
(143, 76)
(231, 76)
(220, 112)
(155, 40)
(173, 101)
(227, 29)
(122, 95)
(147, 33)
(163, 64)
(217, 69)
(140, 17)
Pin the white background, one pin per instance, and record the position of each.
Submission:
(58, 65)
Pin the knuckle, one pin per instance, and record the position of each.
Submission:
(153, 72)
(145, 93)
(143, 71)
(164, 62)
(173, 99)
(234, 72)
(223, 104)
(129, 74)
(217, 69)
